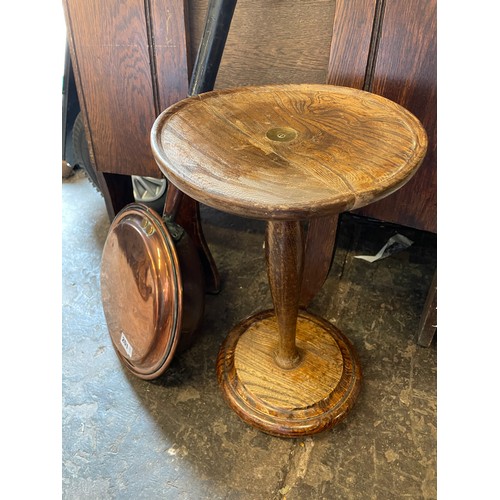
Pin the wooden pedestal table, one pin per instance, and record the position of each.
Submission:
(286, 154)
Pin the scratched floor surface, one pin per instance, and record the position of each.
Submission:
(175, 438)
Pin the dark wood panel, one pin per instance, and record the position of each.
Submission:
(271, 42)
(350, 45)
(116, 190)
(170, 50)
(111, 60)
(405, 72)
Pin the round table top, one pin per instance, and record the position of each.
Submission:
(288, 151)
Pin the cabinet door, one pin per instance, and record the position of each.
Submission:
(389, 48)
(405, 71)
(121, 53)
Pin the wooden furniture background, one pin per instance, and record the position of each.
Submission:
(132, 59)
(130, 62)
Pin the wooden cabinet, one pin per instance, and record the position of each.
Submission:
(130, 63)
(389, 48)
(132, 59)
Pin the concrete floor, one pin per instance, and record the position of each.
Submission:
(175, 438)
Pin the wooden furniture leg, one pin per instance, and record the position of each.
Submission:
(116, 190)
(188, 216)
(320, 245)
(284, 257)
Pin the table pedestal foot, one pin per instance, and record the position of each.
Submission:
(311, 397)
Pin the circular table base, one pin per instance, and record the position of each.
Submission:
(309, 398)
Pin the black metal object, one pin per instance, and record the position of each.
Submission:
(213, 41)
(70, 106)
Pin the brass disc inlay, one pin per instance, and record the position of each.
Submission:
(281, 134)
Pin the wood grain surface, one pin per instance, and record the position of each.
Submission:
(350, 44)
(312, 397)
(284, 257)
(271, 42)
(130, 63)
(342, 149)
(389, 47)
(318, 255)
(111, 60)
(189, 218)
(406, 72)
(283, 388)
(349, 54)
(169, 48)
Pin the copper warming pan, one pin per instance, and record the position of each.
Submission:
(152, 285)
(152, 289)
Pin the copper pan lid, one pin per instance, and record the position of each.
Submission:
(141, 290)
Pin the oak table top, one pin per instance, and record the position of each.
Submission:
(288, 152)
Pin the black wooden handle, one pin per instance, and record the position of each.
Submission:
(206, 66)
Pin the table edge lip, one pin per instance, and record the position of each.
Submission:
(298, 210)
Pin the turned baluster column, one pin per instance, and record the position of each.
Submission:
(285, 262)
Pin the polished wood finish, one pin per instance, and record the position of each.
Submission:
(349, 53)
(169, 47)
(389, 48)
(350, 44)
(314, 396)
(117, 192)
(129, 66)
(345, 149)
(371, 41)
(384, 45)
(188, 216)
(405, 72)
(173, 200)
(288, 153)
(271, 42)
(112, 65)
(320, 244)
(130, 62)
(184, 211)
(284, 257)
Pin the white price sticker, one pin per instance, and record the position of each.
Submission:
(126, 345)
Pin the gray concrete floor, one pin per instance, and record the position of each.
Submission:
(175, 438)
